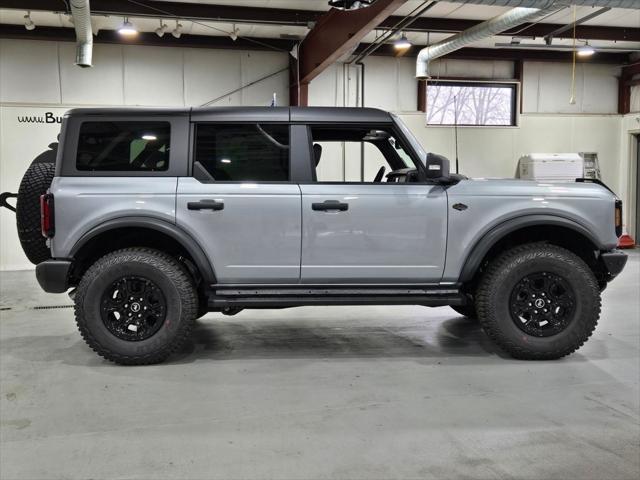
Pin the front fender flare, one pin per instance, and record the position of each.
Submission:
(489, 239)
(169, 229)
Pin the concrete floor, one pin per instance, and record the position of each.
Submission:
(359, 392)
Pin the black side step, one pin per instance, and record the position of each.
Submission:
(265, 296)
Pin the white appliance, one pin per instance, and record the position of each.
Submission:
(551, 167)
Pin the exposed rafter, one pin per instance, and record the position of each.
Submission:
(291, 17)
(147, 38)
(338, 32)
(224, 42)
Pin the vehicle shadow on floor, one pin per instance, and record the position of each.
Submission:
(309, 339)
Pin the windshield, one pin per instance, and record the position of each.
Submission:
(412, 140)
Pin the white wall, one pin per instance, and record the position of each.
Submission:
(494, 152)
(39, 77)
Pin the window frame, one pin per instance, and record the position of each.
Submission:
(397, 133)
(157, 124)
(193, 137)
(68, 148)
(514, 85)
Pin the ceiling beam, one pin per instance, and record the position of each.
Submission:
(62, 34)
(583, 32)
(511, 54)
(337, 33)
(282, 16)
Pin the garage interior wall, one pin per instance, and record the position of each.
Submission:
(38, 83)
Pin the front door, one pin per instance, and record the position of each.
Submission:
(240, 205)
(368, 226)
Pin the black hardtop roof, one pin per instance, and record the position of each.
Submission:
(244, 114)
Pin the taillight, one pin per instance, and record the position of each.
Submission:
(618, 218)
(47, 218)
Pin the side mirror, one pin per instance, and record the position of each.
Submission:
(437, 167)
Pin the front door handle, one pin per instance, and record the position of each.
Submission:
(206, 205)
(330, 205)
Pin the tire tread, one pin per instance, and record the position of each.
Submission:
(168, 265)
(487, 287)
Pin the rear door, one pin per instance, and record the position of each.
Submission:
(240, 204)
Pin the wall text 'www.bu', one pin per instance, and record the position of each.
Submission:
(49, 117)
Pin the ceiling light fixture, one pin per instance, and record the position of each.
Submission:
(585, 50)
(150, 137)
(234, 33)
(350, 4)
(28, 23)
(402, 43)
(162, 29)
(127, 28)
(177, 32)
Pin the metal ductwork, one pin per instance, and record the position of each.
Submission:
(524, 11)
(81, 13)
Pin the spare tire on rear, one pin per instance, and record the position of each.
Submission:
(35, 182)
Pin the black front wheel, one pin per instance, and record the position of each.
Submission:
(538, 302)
(136, 306)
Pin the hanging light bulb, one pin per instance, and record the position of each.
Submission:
(177, 32)
(127, 28)
(28, 23)
(402, 43)
(586, 50)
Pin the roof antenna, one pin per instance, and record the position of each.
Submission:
(274, 100)
(455, 128)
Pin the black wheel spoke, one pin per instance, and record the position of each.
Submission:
(133, 308)
(542, 304)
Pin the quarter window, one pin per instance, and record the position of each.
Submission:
(123, 146)
(247, 152)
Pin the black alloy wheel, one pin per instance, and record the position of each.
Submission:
(542, 304)
(133, 308)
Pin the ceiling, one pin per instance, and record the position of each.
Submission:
(442, 10)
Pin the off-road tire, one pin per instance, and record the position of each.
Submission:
(501, 276)
(172, 279)
(468, 311)
(35, 182)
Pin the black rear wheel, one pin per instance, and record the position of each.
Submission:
(538, 301)
(136, 306)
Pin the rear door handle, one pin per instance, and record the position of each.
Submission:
(206, 205)
(330, 205)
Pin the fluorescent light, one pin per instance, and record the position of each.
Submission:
(225, 160)
(149, 137)
(402, 43)
(127, 29)
(585, 51)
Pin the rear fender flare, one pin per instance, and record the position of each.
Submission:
(188, 243)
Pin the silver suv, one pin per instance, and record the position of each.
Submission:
(163, 215)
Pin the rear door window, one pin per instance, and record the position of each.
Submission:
(243, 152)
(124, 146)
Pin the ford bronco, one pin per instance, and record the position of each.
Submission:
(154, 217)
